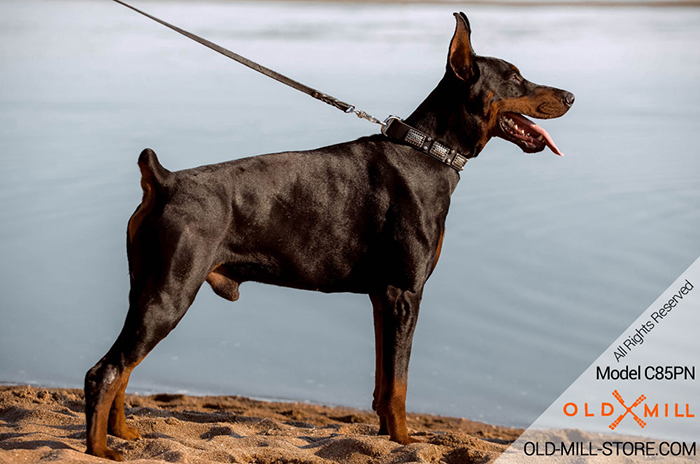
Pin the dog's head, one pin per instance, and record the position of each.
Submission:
(495, 92)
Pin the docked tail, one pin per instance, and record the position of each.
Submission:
(153, 177)
(151, 170)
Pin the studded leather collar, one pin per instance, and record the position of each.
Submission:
(396, 129)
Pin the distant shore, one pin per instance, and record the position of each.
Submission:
(38, 424)
(503, 3)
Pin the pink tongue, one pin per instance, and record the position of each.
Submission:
(535, 128)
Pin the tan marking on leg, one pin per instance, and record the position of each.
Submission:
(117, 418)
(97, 434)
(395, 412)
(110, 414)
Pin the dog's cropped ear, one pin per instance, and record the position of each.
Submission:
(462, 57)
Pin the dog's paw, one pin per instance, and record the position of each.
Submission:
(127, 432)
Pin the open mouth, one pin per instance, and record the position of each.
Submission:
(530, 137)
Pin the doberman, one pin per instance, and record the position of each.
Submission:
(366, 216)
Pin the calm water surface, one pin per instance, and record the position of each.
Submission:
(546, 260)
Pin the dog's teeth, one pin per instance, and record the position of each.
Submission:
(540, 138)
(516, 127)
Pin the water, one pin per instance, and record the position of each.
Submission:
(545, 261)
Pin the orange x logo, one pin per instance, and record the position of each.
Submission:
(639, 401)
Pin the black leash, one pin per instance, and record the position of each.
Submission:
(393, 127)
(341, 105)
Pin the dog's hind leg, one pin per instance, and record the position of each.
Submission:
(151, 317)
(396, 314)
(169, 264)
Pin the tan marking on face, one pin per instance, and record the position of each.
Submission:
(544, 105)
(491, 122)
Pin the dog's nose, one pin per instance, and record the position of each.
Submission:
(569, 98)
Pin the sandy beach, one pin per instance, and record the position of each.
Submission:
(40, 424)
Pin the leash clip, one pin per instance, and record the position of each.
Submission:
(364, 115)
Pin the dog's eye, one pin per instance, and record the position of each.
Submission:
(516, 78)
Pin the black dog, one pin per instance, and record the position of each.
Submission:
(365, 217)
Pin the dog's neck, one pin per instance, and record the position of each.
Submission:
(446, 118)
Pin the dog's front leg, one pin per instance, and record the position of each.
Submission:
(378, 372)
(395, 317)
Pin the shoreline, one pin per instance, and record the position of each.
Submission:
(48, 423)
